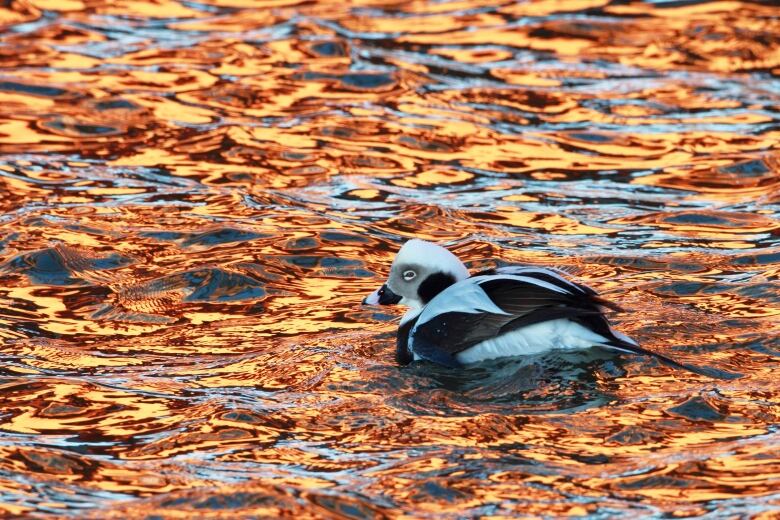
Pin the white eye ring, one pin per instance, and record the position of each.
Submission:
(409, 275)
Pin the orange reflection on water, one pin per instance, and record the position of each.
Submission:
(197, 196)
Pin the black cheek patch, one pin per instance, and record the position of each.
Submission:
(433, 285)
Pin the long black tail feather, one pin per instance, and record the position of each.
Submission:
(624, 346)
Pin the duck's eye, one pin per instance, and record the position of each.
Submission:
(409, 275)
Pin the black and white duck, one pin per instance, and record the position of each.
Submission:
(456, 318)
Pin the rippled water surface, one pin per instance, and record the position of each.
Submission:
(196, 195)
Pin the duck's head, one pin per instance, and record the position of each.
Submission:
(420, 271)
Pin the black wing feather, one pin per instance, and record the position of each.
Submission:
(453, 332)
(556, 279)
(519, 297)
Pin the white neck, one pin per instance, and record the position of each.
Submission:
(412, 313)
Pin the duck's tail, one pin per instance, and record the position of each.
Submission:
(623, 343)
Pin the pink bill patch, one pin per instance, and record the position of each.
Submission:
(373, 298)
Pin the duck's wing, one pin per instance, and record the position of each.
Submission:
(483, 307)
(555, 277)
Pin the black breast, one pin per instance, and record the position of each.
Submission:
(402, 354)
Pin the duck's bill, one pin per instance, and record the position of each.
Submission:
(382, 296)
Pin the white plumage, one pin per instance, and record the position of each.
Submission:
(533, 339)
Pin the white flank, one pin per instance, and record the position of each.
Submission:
(560, 334)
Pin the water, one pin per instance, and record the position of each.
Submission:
(197, 195)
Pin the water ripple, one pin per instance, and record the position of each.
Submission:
(197, 196)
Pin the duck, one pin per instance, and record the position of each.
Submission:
(456, 318)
